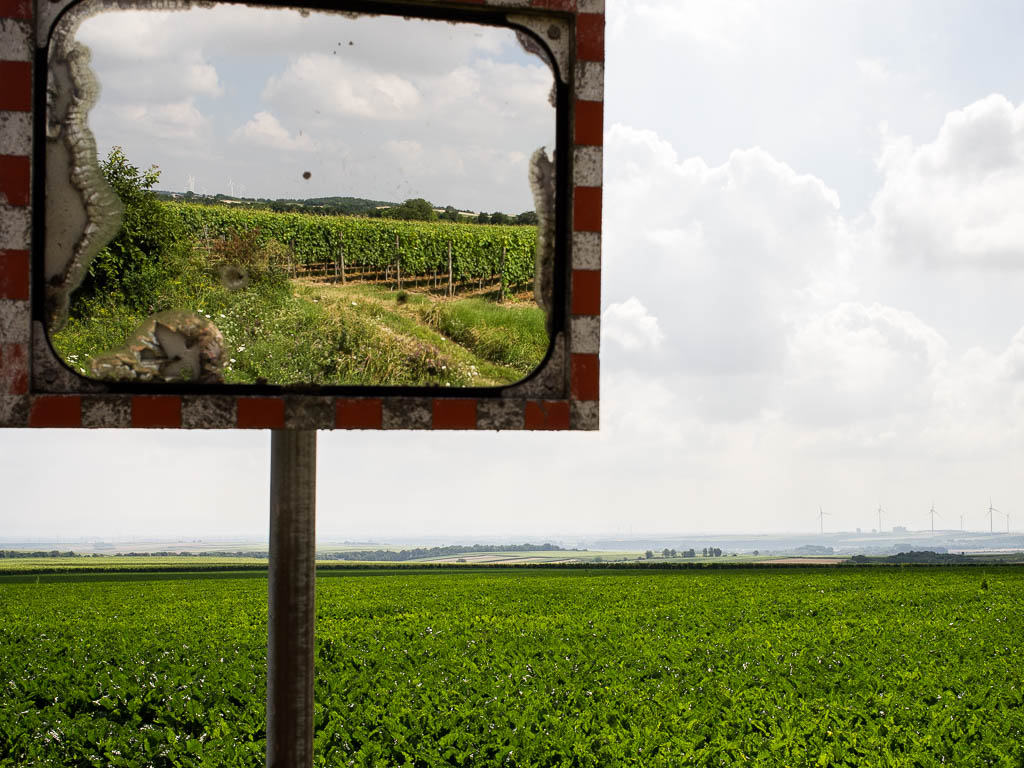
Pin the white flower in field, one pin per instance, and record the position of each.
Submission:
(232, 359)
(242, 348)
(353, 304)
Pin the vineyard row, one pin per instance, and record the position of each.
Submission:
(330, 245)
(435, 280)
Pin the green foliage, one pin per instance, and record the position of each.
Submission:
(326, 334)
(422, 246)
(242, 257)
(513, 335)
(143, 253)
(397, 341)
(415, 209)
(857, 667)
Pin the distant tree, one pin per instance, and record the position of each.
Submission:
(500, 218)
(414, 209)
(527, 217)
(649, 554)
(672, 553)
(717, 552)
(756, 553)
(666, 552)
(483, 218)
(451, 213)
(704, 552)
(691, 552)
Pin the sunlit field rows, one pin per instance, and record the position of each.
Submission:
(804, 667)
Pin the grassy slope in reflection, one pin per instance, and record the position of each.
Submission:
(282, 330)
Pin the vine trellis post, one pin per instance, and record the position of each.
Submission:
(501, 285)
(451, 286)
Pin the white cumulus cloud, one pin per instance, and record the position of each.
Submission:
(265, 130)
(180, 120)
(631, 326)
(331, 84)
(861, 362)
(957, 200)
(723, 256)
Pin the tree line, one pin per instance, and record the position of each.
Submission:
(387, 555)
(666, 552)
(390, 555)
(413, 209)
(15, 553)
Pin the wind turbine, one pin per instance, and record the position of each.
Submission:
(991, 509)
(821, 518)
(880, 510)
(962, 529)
(933, 513)
(191, 184)
(231, 186)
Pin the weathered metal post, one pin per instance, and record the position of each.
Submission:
(291, 600)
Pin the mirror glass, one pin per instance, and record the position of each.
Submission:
(291, 197)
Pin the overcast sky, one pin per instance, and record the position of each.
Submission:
(813, 264)
(245, 101)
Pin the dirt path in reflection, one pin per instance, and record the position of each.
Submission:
(403, 318)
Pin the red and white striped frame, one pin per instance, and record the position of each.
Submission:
(35, 391)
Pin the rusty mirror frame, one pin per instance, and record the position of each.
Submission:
(37, 389)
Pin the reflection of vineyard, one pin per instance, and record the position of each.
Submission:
(440, 255)
(435, 282)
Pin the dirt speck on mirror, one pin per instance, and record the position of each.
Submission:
(413, 248)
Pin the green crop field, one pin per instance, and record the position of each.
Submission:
(518, 667)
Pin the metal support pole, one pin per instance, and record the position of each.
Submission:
(292, 585)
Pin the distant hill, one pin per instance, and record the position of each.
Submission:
(354, 206)
(347, 205)
(357, 206)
